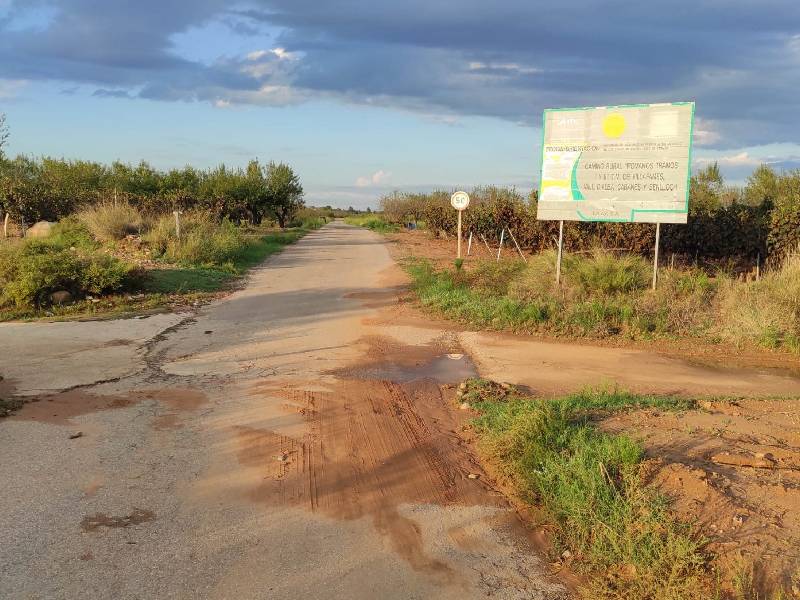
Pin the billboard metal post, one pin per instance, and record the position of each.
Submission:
(655, 256)
(560, 249)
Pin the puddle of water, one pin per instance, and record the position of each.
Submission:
(447, 368)
(724, 369)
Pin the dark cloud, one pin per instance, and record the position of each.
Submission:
(740, 60)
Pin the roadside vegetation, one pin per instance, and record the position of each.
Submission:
(592, 489)
(82, 238)
(731, 274)
(375, 222)
(78, 271)
(604, 295)
(729, 228)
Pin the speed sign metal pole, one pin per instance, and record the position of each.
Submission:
(459, 201)
(459, 234)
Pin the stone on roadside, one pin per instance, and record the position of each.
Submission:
(464, 406)
(60, 297)
(40, 230)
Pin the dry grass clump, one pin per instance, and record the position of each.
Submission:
(767, 310)
(109, 222)
(203, 240)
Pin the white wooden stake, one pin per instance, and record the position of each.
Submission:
(560, 248)
(500, 247)
(469, 243)
(5, 225)
(655, 256)
(488, 249)
(517, 245)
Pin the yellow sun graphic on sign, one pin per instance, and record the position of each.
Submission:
(614, 125)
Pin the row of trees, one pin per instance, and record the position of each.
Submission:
(760, 219)
(33, 189)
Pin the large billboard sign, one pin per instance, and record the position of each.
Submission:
(627, 164)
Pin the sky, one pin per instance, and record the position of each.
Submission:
(362, 97)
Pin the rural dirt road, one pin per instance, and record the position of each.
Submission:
(277, 444)
(294, 440)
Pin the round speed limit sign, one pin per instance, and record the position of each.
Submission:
(460, 200)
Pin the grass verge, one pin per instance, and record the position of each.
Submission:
(592, 486)
(174, 284)
(373, 222)
(602, 295)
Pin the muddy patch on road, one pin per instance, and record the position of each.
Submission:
(442, 362)
(138, 516)
(63, 407)
(371, 446)
(734, 468)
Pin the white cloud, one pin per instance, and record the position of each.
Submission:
(733, 160)
(508, 67)
(281, 53)
(705, 132)
(10, 88)
(377, 178)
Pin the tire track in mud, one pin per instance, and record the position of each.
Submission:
(370, 447)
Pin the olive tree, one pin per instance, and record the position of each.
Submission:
(284, 192)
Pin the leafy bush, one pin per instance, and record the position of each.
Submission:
(108, 222)
(72, 233)
(31, 271)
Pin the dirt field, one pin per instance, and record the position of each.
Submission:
(734, 467)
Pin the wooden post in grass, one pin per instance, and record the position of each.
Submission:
(560, 250)
(469, 243)
(177, 214)
(5, 225)
(655, 256)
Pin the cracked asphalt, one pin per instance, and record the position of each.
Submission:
(228, 452)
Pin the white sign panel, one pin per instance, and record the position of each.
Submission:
(617, 163)
(459, 200)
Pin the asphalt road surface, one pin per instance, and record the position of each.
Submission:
(291, 441)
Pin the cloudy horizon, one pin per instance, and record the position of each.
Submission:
(363, 97)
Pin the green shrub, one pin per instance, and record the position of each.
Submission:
(31, 271)
(109, 222)
(70, 232)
